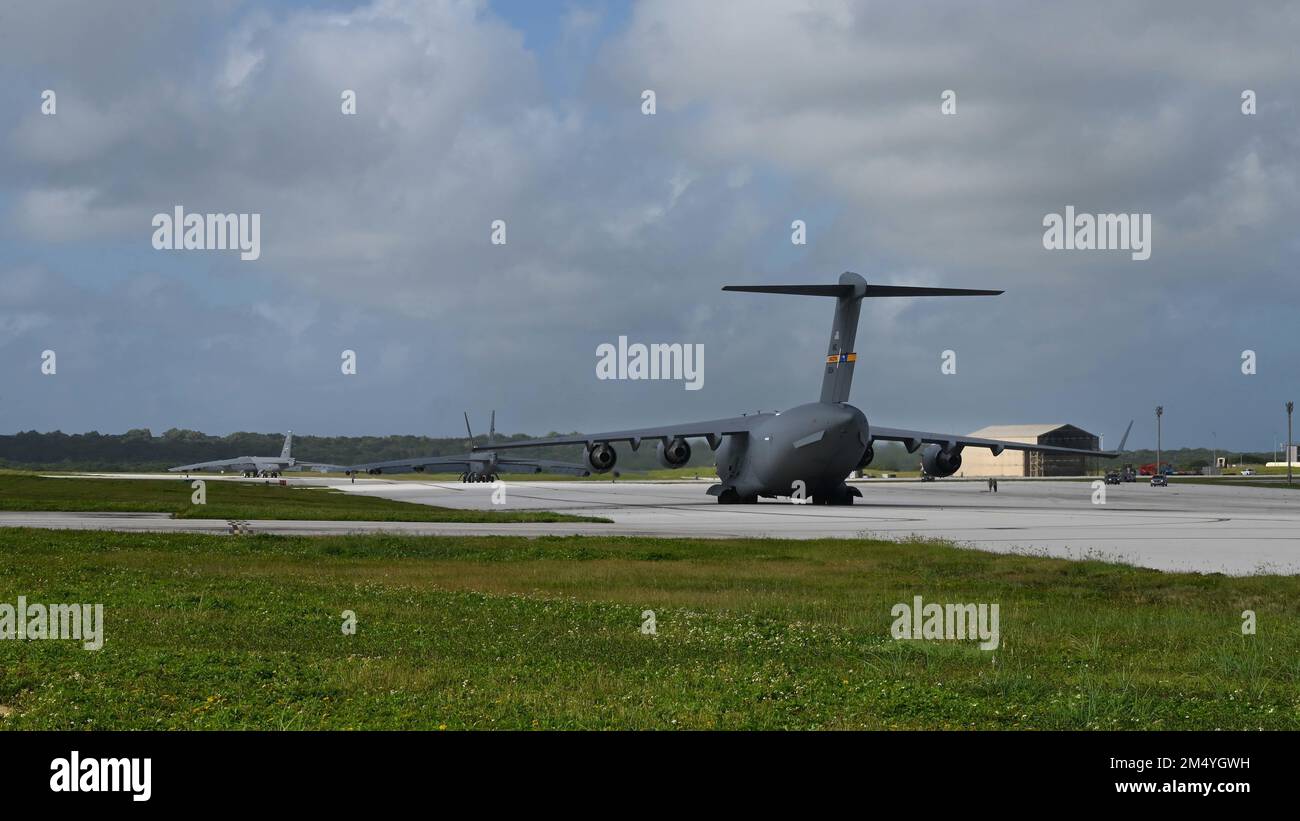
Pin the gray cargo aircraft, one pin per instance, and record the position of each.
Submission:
(254, 466)
(480, 466)
(809, 450)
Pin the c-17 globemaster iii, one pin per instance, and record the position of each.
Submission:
(811, 449)
(253, 466)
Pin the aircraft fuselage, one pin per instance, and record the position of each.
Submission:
(811, 447)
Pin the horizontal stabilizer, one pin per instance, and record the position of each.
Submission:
(849, 290)
(849, 293)
(804, 290)
(914, 290)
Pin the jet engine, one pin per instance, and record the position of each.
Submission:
(940, 461)
(673, 453)
(602, 457)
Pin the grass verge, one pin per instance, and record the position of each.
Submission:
(496, 632)
(237, 500)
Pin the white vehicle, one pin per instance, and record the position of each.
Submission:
(1248, 472)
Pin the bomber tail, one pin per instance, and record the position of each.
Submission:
(492, 430)
(849, 293)
(286, 452)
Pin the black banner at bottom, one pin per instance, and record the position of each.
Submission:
(220, 770)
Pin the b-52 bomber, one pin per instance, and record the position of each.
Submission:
(482, 465)
(255, 466)
(811, 449)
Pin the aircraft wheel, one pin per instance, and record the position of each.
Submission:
(842, 495)
(731, 497)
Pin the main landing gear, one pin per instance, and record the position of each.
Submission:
(842, 495)
(478, 477)
(731, 497)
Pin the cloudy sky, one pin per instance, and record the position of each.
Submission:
(376, 227)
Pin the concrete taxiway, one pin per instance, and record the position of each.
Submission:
(1203, 528)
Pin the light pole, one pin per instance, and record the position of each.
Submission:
(1160, 411)
(1290, 406)
(1215, 438)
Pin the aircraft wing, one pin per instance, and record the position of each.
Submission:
(713, 431)
(913, 439)
(318, 467)
(219, 464)
(542, 466)
(430, 464)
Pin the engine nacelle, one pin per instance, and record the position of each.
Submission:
(602, 458)
(939, 461)
(867, 456)
(673, 453)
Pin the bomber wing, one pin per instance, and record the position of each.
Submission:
(242, 463)
(419, 464)
(317, 467)
(464, 463)
(509, 465)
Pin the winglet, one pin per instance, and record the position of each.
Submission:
(1125, 438)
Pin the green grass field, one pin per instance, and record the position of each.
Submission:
(236, 500)
(495, 632)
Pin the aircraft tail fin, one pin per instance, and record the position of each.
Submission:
(492, 428)
(849, 293)
(469, 432)
(286, 452)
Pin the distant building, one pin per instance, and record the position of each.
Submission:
(1293, 455)
(982, 462)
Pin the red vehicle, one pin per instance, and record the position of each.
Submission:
(1149, 469)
